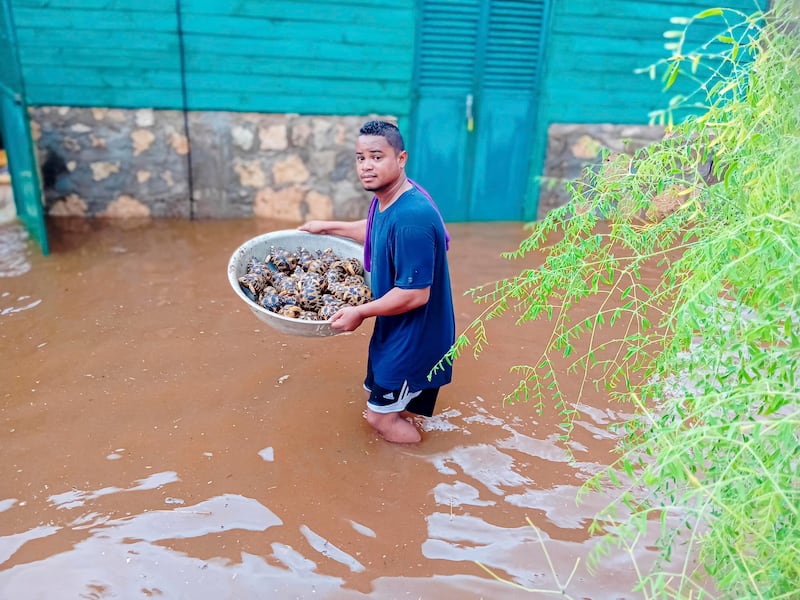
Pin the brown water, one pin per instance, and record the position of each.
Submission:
(160, 441)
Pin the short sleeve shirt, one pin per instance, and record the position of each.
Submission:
(408, 250)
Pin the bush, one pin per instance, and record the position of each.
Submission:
(710, 357)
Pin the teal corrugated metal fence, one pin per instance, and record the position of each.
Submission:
(323, 57)
(595, 47)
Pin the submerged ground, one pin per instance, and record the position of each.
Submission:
(160, 441)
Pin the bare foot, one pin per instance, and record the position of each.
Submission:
(394, 428)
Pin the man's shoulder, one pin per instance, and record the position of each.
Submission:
(415, 202)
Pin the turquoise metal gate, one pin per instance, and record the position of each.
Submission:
(16, 131)
(476, 102)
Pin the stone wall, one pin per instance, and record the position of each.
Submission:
(118, 163)
(571, 148)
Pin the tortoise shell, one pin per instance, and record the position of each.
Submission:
(329, 309)
(352, 266)
(356, 294)
(252, 284)
(290, 310)
(337, 290)
(304, 284)
(333, 275)
(271, 299)
(251, 264)
(309, 296)
(285, 285)
(284, 260)
(353, 280)
(330, 299)
(317, 266)
(327, 256)
(304, 258)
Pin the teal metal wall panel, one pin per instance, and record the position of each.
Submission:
(119, 53)
(595, 48)
(319, 57)
(307, 57)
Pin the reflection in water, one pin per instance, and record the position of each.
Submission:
(486, 464)
(22, 303)
(468, 538)
(362, 529)
(9, 544)
(14, 250)
(211, 516)
(75, 498)
(459, 493)
(324, 547)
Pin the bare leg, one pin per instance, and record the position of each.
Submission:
(393, 427)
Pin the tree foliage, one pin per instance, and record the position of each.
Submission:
(710, 355)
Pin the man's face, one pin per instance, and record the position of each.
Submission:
(377, 163)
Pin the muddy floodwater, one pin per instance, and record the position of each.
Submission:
(158, 441)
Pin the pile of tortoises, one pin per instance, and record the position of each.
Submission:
(304, 284)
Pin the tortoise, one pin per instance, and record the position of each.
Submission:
(333, 275)
(303, 279)
(337, 290)
(327, 256)
(284, 260)
(309, 296)
(259, 267)
(271, 299)
(353, 280)
(304, 284)
(251, 264)
(330, 308)
(252, 284)
(304, 257)
(356, 294)
(353, 266)
(317, 265)
(290, 310)
(285, 284)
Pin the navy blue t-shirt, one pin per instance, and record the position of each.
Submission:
(408, 250)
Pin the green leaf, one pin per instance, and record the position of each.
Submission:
(672, 75)
(711, 12)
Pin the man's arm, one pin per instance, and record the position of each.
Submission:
(394, 302)
(355, 230)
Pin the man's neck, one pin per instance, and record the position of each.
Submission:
(390, 195)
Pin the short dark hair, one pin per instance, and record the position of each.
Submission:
(385, 130)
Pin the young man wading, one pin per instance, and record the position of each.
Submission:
(406, 253)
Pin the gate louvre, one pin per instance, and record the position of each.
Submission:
(475, 106)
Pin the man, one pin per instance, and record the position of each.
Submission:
(406, 252)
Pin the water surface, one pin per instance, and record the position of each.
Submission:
(160, 441)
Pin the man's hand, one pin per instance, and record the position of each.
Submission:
(355, 230)
(315, 227)
(347, 319)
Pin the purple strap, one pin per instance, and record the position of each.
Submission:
(374, 205)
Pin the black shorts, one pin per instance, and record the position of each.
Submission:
(384, 401)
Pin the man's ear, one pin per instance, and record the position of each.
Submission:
(402, 158)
